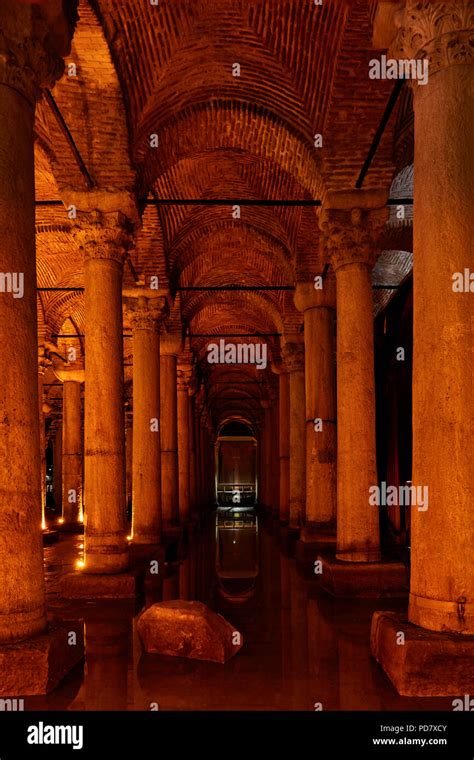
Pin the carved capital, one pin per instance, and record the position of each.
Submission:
(147, 313)
(441, 33)
(307, 296)
(293, 356)
(103, 236)
(352, 235)
(184, 378)
(33, 40)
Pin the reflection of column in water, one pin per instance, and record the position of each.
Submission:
(171, 585)
(105, 676)
(184, 579)
(285, 624)
(357, 690)
(322, 656)
(299, 641)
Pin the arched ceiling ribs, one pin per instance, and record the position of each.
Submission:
(216, 126)
(232, 251)
(90, 101)
(255, 307)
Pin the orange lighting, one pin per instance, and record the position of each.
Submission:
(80, 564)
(61, 520)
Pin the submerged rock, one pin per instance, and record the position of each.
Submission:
(188, 629)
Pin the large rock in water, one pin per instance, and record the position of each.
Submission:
(188, 629)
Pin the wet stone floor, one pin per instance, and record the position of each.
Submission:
(302, 650)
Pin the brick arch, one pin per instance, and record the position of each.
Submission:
(92, 105)
(211, 127)
(233, 252)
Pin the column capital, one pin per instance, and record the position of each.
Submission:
(184, 377)
(103, 235)
(307, 296)
(70, 373)
(146, 313)
(43, 362)
(293, 356)
(352, 223)
(33, 40)
(442, 33)
(171, 344)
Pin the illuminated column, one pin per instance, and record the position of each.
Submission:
(146, 316)
(42, 365)
(351, 227)
(58, 465)
(104, 239)
(128, 457)
(192, 453)
(72, 452)
(293, 355)
(267, 434)
(30, 53)
(169, 349)
(284, 444)
(318, 306)
(184, 379)
(275, 457)
(442, 536)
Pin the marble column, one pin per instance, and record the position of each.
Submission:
(267, 453)
(58, 466)
(43, 363)
(72, 452)
(293, 355)
(184, 379)
(318, 307)
(169, 349)
(442, 536)
(146, 315)
(29, 57)
(284, 444)
(192, 454)
(128, 457)
(104, 239)
(351, 222)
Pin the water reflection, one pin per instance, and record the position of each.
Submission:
(237, 556)
(301, 649)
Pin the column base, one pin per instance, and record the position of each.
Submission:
(71, 527)
(313, 538)
(125, 585)
(363, 579)
(50, 537)
(288, 538)
(428, 663)
(37, 665)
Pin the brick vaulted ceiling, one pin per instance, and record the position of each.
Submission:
(167, 69)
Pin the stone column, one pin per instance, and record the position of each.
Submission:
(58, 466)
(184, 379)
(267, 453)
(42, 365)
(29, 57)
(442, 536)
(128, 457)
(192, 454)
(318, 307)
(146, 315)
(104, 239)
(169, 349)
(352, 224)
(276, 457)
(72, 452)
(293, 354)
(284, 447)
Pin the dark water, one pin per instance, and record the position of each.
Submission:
(302, 650)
